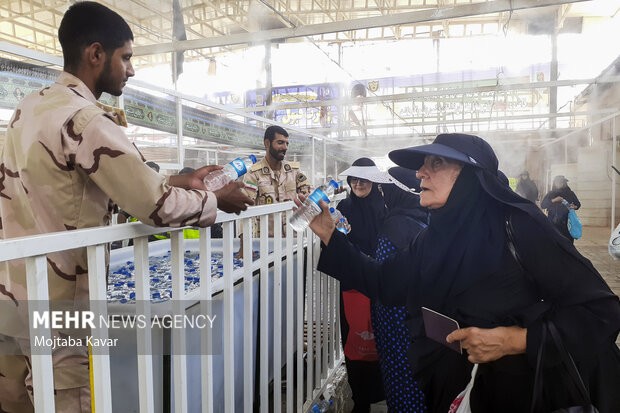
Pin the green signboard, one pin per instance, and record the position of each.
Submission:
(142, 109)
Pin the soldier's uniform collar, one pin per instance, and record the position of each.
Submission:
(266, 168)
(75, 84)
(80, 88)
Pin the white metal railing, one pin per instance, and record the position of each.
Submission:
(315, 305)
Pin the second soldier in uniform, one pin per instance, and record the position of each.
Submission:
(272, 179)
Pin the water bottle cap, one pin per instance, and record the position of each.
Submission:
(332, 210)
(334, 184)
(316, 409)
(252, 158)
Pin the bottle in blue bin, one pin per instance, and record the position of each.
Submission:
(323, 406)
(230, 172)
(310, 208)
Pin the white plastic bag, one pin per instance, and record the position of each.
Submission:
(461, 403)
(614, 243)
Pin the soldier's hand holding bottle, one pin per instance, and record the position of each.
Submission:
(230, 198)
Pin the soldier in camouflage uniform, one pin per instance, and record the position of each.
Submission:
(272, 179)
(64, 160)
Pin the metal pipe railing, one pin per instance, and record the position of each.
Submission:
(206, 341)
(277, 313)
(248, 317)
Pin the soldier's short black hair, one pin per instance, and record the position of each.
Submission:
(87, 22)
(270, 132)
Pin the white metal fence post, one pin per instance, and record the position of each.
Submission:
(324, 318)
(179, 358)
(248, 317)
(42, 370)
(300, 321)
(144, 340)
(229, 310)
(206, 340)
(277, 313)
(264, 315)
(290, 327)
(98, 298)
(309, 315)
(316, 302)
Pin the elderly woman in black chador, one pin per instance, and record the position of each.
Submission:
(364, 210)
(490, 260)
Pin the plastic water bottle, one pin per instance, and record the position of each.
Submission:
(336, 215)
(323, 406)
(341, 226)
(230, 172)
(310, 208)
(339, 219)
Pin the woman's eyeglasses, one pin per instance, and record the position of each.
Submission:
(359, 181)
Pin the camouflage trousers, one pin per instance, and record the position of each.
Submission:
(71, 378)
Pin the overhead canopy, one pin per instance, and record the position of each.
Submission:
(214, 27)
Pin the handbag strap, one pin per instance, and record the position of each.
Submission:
(511, 243)
(512, 247)
(537, 392)
(567, 361)
(547, 325)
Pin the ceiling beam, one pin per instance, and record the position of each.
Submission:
(496, 6)
(412, 96)
(30, 54)
(168, 17)
(529, 137)
(347, 10)
(465, 121)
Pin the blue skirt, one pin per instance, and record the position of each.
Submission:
(402, 392)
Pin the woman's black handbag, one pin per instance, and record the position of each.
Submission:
(586, 405)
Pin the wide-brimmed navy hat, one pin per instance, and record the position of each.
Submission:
(475, 153)
(468, 149)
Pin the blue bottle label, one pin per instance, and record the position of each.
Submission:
(317, 195)
(239, 166)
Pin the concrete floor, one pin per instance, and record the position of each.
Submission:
(593, 245)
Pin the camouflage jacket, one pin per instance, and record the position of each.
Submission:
(265, 186)
(63, 162)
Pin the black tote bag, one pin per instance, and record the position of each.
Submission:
(586, 405)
